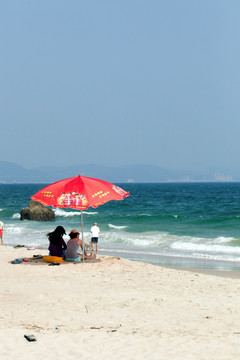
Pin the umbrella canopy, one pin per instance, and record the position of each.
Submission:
(79, 193)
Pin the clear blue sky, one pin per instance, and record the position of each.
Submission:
(120, 82)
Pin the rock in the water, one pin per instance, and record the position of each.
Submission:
(38, 212)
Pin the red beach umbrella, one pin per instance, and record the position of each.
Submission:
(79, 193)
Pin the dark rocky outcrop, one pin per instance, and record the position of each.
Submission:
(38, 212)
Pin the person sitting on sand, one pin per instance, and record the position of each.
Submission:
(57, 245)
(73, 244)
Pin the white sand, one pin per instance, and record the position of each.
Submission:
(115, 309)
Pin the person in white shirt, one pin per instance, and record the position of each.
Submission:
(95, 231)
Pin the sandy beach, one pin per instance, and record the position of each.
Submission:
(114, 308)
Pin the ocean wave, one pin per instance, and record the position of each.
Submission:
(16, 216)
(117, 227)
(136, 240)
(209, 248)
(175, 255)
(63, 213)
(135, 252)
(144, 242)
(33, 232)
(216, 257)
(15, 230)
(138, 216)
(222, 239)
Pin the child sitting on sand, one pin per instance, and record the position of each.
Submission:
(73, 244)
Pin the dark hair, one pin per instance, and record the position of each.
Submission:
(73, 235)
(56, 235)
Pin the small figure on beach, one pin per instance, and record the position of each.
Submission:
(57, 246)
(1, 232)
(95, 231)
(73, 244)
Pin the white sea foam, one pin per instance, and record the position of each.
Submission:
(222, 239)
(16, 216)
(179, 245)
(176, 255)
(90, 213)
(216, 257)
(14, 230)
(61, 212)
(143, 242)
(135, 240)
(144, 214)
(117, 227)
(136, 252)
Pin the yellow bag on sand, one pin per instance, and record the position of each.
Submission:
(53, 259)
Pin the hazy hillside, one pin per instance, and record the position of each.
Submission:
(13, 173)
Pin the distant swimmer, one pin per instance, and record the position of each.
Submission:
(1, 232)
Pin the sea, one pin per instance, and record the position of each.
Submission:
(184, 225)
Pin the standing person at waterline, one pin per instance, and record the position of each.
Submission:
(95, 234)
(1, 232)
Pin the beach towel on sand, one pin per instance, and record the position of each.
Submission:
(53, 259)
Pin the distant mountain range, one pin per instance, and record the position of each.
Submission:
(13, 173)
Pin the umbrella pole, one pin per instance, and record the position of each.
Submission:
(82, 233)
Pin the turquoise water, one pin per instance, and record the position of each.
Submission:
(173, 224)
